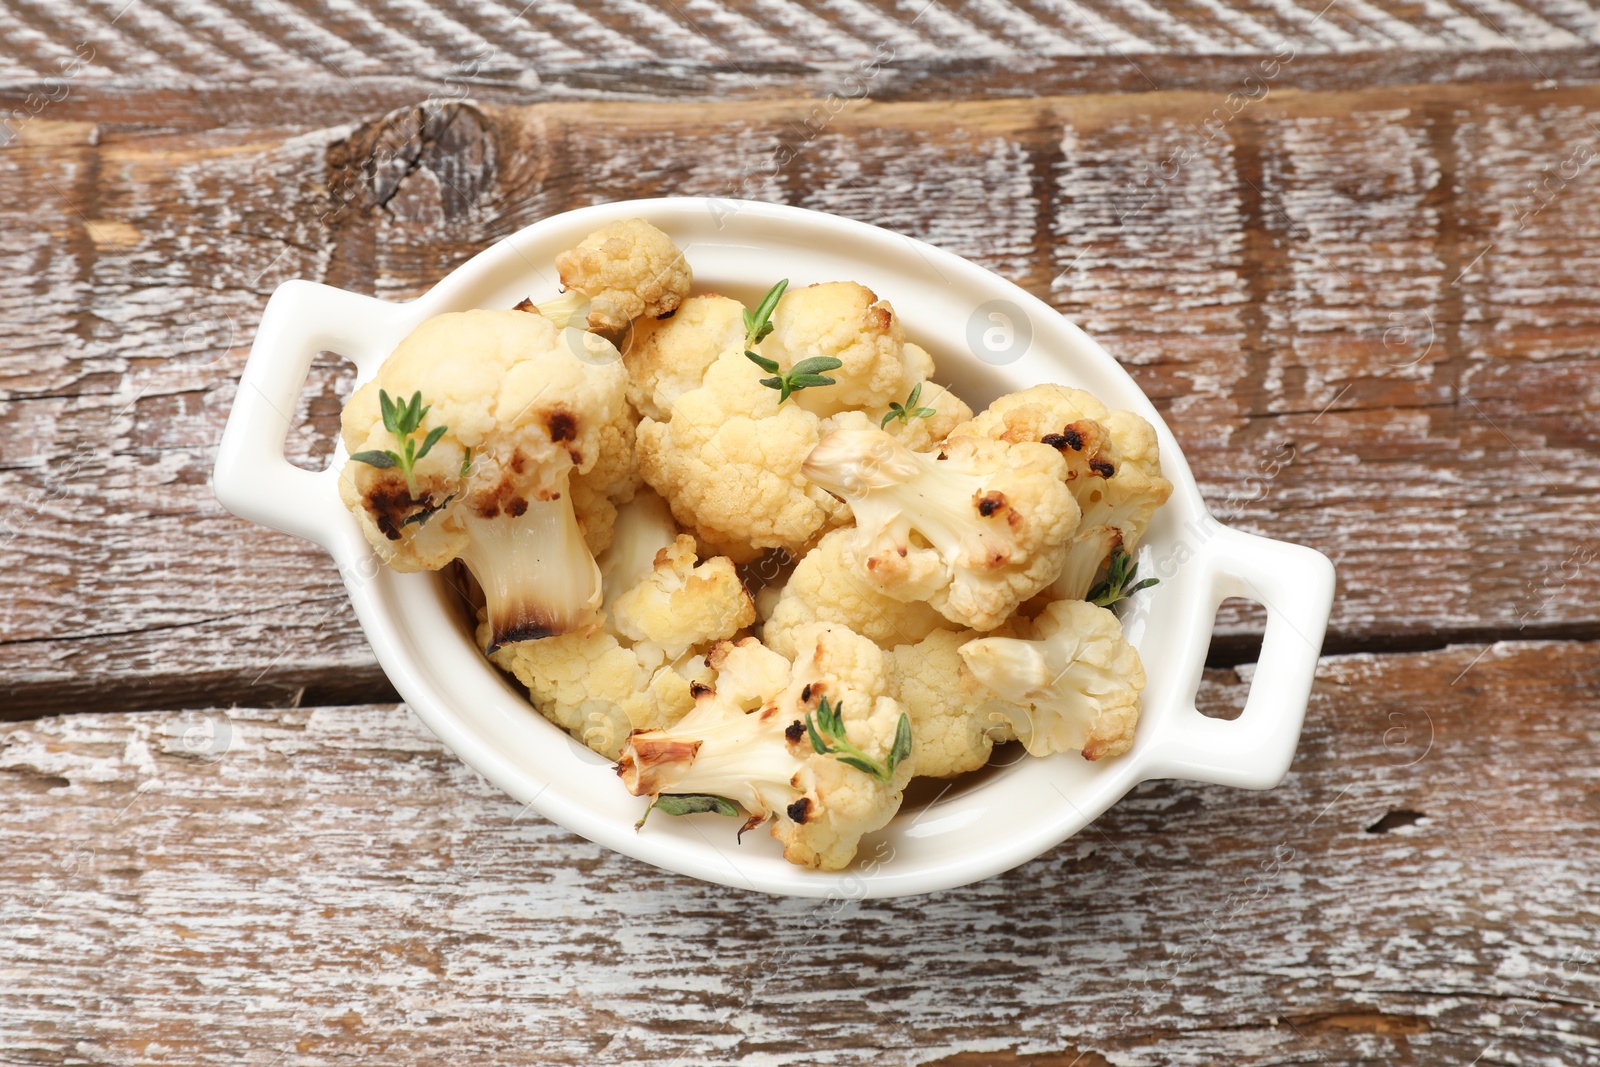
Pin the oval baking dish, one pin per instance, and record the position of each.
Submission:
(988, 337)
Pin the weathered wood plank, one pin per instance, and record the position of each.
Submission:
(170, 40)
(137, 59)
(319, 885)
(1368, 317)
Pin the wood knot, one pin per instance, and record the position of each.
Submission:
(448, 145)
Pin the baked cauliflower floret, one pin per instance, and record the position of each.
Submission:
(845, 321)
(955, 720)
(827, 586)
(747, 672)
(1075, 687)
(1069, 420)
(681, 604)
(974, 529)
(720, 750)
(599, 691)
(729, 459)
(1116, 511)
(849, 672)
(1113, 468)
(505, 414)
(620, 272)
(768, 760)
(670, 356)
(643, 528)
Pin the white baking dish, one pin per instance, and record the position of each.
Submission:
(989, 337)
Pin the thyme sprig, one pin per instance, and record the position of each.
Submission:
(907, 411)
(402, 419)
(803, 375)
(828, 738)
(1119, 583)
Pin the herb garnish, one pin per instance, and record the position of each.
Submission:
(402, 420)
(828, 738)
(1119, 573)
(803, 375)
(688, 804)
(907, 411)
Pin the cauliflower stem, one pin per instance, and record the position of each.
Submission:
(537, 576)
(1074, 689)
(718, 750)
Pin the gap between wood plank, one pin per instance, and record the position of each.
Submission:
(339, 686)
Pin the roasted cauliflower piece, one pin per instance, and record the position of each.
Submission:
(974, 529)
(955, 720)
(463, 446)
(728, 462)
(670, 356)
(827, 586)
(1073, 688)
(620, 272)
(1113, 469)
(680, 603)
(798, 758)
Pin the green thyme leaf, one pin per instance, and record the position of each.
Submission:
(865, 765)
(381, 460)
(768, 365)
(431, 440)
(689, 804)
(902, 741)
(818, 745)
(411, 416)
(815, 365)
(387, 406)
(769, 304)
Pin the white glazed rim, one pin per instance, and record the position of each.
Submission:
(1021, 812)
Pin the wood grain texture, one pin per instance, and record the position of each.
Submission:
(329, 885)
(254, 60)
(1368, 317)
(156, 41)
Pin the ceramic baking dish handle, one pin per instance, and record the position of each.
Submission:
(1295, 585)
(252, 478)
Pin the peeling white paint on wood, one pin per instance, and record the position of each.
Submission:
(176, 42)
(1251, 288)
(332, 885)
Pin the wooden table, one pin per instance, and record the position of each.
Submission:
(1353, 254)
